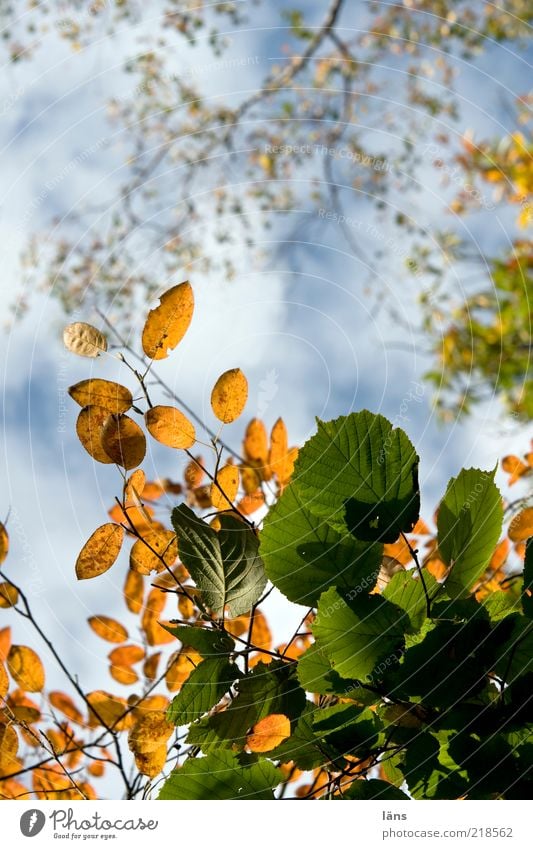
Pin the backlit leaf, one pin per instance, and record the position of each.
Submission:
(170, 427)
(150, 732)
(269, 733)
(26, 668)
(279, 447)
(123, 441)
(229, 395)
(521, 527)
(224, 489)
(126, 655)
(8, 594)
(4, 681)
(63, 702)
(180, 667)
(134, 487)
(108, 710)
(469, 523)
(89, 427)
(167, 324)
(155, 550)
(123, 674)
(4, 543)
(134, 591)
(221, 775)
(202, 690)
(100, 551)
(151, 763)
(255, 445)
(84, 339)
(108, 629)
(95, 392)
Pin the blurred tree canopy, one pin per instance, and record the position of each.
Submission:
(356, 107)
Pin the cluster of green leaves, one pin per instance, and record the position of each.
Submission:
(420, 681)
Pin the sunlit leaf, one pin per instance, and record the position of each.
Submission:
(4, 543)
(279, 448)
(521, 527)
(167, 324)
(134, 591)
(84, 339)
(255, 445)
(26, 668)
(8, 594)
(134, 487)
(229, 395)
(108, 629)
(23, 708)
(106, 394)
(202, 690)
(224, 489)
(108, 710)
(100, 551)
(123, 441)
(150, 732)
(153, 552)
(126, 655)
(4, 681)
(151, 763)
(170, 427)
(89, 427)
(63, 702)
(221, 775)
(123, 674)
(269, 733)
(180, 667)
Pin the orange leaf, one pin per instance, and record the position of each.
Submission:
(180, 667)
(269, 733)
(5, 642)
(84, 339)
(152, 491)
(4, 681)
(170, 427)
(227, 480)
(126, 655)
(521, 527)
(134, 591)
(65, 704)
(148, 704)
(134, 487)
(229, 395)
(279, 448)
(9, 744)
(108, 629)
(8, 594)
(193, 474)
(89, 427)
(151, 665)
(255, 445)
(139, 517)
(100, 551)
(250, 479)
(26, 668)
(398, 550)
(150, 732)
(155, 550)
(23, 708)
(185, 606)
(106, 394)
(514, 466)
(123, 674)
(261, 637)
(500, 555)
(250, 503)
(4, 543)
(108, 710)
(167, 324)
(123, 441)
(151, 763)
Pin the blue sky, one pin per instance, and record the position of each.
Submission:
(300, 324)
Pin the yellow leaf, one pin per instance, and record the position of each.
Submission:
(4, 681)
(521, 527)
(150, 732)
(148, 704)
(269, 733)
(255, 445)
(8, 595)
(89, 428)
(84, 339)
(111, 396)
(167, 324)
(193, 474)
(155, 550)
(134, 591)
(22, 708)
(180, 667)
(9, 744)
(185, 606)
(26, 668)
(169, 426)
(123, 441)
(151, 763)
(126, 655)
(279, 448)
(229, 395)
(4, 543)
(63, 702)
(151, 665)
(108, 629)
(5, 642)
(108, 710)
(250, 503)
(225, 488)
(123, 674)
(134, 487)
(100, 551)
(261, 638)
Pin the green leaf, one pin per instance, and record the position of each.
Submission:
(221, 775)
(469, 524)
(304, 746)
(351, 729)
(206, 641)
(269, 688)
(500, 604)
(527, 592)
(202, 690)
(407, 593)
(430, 772)
(316, 675)
(359, 473)
(374, 788)
(361, 636)
(304, 556)
(224, 565)
(514, 654)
